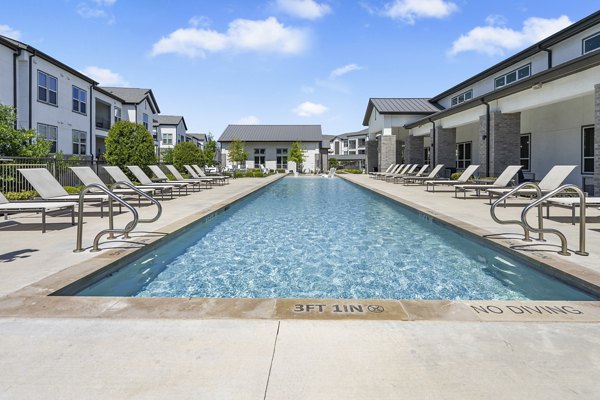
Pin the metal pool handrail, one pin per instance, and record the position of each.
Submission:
(563, 239)
(144, 194)
(525, 227)
(128, 228)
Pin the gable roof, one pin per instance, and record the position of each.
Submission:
(198, 136)
(349, 134)
(171, 120)
(133, 95)
(399, 106)
(272, 133)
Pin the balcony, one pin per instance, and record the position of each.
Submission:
(103, 115)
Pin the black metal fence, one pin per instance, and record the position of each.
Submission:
(12, 181)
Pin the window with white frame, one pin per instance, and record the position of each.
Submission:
(461, 98)
(47, 88)
(117, 114)
(587, 149)
(362, 142)
(79, 142)
(463, 155)
(50, 133)
(146, 121)
(259, 157)
(79, 100)
(525, 151)
(513, 76)
(282, 159)
(591, 43)
(167, 138)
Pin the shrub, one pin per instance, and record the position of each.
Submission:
(455, 176)
(18, 196)
(280, 171)
(73, 189)
(333, 163)
(167, 156)
(353, 171)
(129, 144)
(258, 173)
(186, 153)
(249, 173)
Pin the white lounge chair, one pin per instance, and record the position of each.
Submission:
(119, 176)
(467, 173)
(7, 207)
(387, 171)
(501, 182)
(553, 179)
(51, 190)
(420, 179)
(165, 179)
(395, 170)
(223, 178)
(410, 170)
(145, 180)
(572, 203)
(419, 173)
(207, 181)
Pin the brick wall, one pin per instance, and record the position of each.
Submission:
(413, 150)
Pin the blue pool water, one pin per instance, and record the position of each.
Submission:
(327, 238)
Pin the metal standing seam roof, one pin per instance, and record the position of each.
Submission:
(362, 132)
(272, 133)
(400, 106)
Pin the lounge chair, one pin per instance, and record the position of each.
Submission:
(395, 170)
(165, 179)
(200, 172)
(145, 180)
(6, 208)
(407, 171)
(119, 176)
(419, 173)
(51, 190)
(572, 203)
(501, 182)
(207, 181)
(387, 171)
(467, 173)
(553, 179)
(87, 176)
(330, 174)
(420, 179)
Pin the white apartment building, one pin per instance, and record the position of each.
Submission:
(350, 149)
(172, 130)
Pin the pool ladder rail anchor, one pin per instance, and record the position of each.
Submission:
(130, 226)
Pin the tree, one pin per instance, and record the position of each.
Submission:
(210, 149)
(19, 142)
(128, 143)
(237, 152)
(297, 155)
(333, 163)
(186, 153)
(167, 156)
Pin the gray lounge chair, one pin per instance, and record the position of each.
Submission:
(395, 170)
(387, 171)
(7, 207)
(553, 179)
(464, 177)
(164, 178)
(119, 176)
(501, 182)
(410, 170)
(87, 176)
(224, 179)
(571, 203)
(207, 181)
(145, 180)
(51, 190)
(420, 179)
(419, 173)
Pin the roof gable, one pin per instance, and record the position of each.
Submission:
(408, 106)
(272, 133)
(134, 95)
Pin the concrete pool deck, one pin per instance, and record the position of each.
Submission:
(194, 348)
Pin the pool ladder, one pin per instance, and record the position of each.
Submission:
(540, 230)
(111, 231)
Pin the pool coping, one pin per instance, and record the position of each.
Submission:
(36, 300)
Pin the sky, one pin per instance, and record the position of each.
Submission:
(283, 61)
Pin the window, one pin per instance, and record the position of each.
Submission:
(362, 152)
(259, 157)
(591, 43)
(50, 133)
(117, 114)
(345, 144)
(513, 76)
(463, 155)
(587, 149)
(461, 98)
(525, 151)
(47, 88)
(352, 144)
(79, 142)
(79, 101)
(282, 158)
(362, 142)
(167, 138)
(145, 119)
(427, 155)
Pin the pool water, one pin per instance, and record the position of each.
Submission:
(327, 238)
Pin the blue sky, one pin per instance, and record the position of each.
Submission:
(283, 61)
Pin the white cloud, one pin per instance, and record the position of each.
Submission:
(7, 31)
(411, 10)
(307, 9)
(344, 70)
(200, 21)
(96, 9)
(496, 40)
(308, 109)
(249, 120)
(105, 2)
(267, 36)
(105, 76)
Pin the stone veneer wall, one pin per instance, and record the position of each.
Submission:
(504, 137)
(597, 144)
(372, 156)
(413, 150)
(387, 151)
(445, 147)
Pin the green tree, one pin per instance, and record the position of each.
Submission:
(186, 153)
(297, 155)
(237, 152)
(167, 156)
(128, 143)
(19, 142)
(210, 149)
(333, 163)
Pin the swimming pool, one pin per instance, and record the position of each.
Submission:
(327, 238)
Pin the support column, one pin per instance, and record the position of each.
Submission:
(372, 157)
(387, 151)
(504, 142)
(445, 147)
(597, 143)
(413, 150)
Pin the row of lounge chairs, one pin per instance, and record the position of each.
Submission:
(55, 197)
